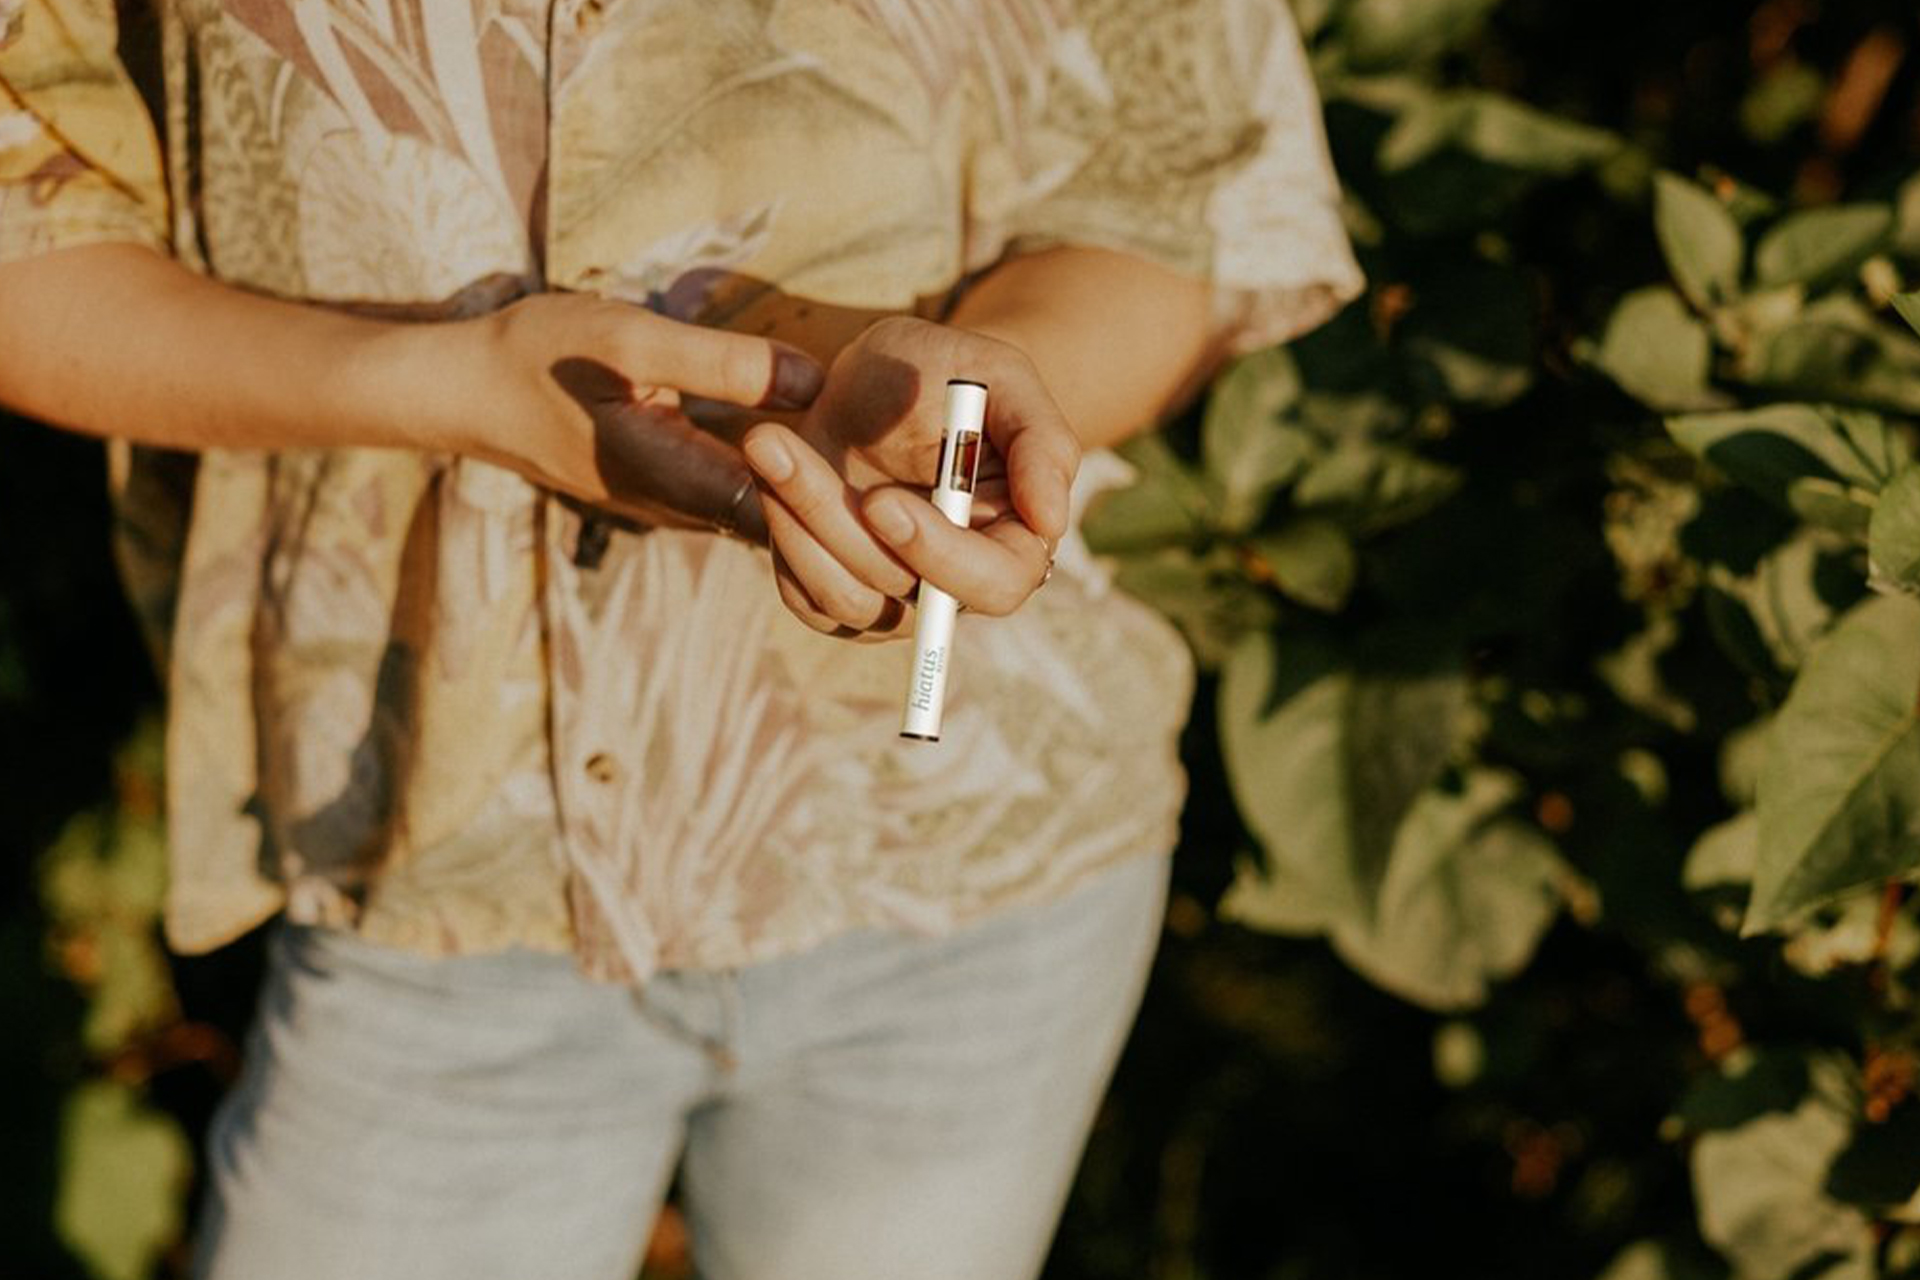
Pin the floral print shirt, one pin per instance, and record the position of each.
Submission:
(403, 696)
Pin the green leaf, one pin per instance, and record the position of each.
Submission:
(1839, 800)
(1351, 420)
(1497, 130)
(1371, 487)
(1653, 1260)
(135, 992)
(1792, 595)
(1821, 246)
(103, 881)
(122, 1181)
(1243, 445)
(1207, 596)
(1312, 561)
(1273, 899)
(1770, 448)
(1893, 536)
(1748, 322)
(1724, 854)
(1658, 351)
(1787, 95)
(1836, 350)
(1851, 932)
(1700, 239)
(1633, 673)
(1166, 504)
(1385, 34)
(1874, 451)
(1325, 761)
(1732, 626)
(1908, 305)
(1759, 1187)
(1841, 508)
(1880, 1168)
(1743, 753)
(1748, 1083)
(1468, 895)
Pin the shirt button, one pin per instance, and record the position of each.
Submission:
(602, 767)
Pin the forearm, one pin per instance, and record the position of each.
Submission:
(1119, 341)
(116, 340)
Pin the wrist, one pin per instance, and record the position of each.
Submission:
(417, 385)
(1118, 340)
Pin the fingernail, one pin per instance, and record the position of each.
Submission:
(769, 457)
(796, 380)
(890, 520)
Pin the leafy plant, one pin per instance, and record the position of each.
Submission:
(1421, 717)
(124, 1164)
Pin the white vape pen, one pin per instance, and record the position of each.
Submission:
(933, 627)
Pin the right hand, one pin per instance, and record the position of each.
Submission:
(583, 395)
(851, 530)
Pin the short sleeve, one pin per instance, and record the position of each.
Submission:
(1186, 133)
(79, 163)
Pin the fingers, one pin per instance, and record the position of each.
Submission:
(715, 364)
(654, 461)
(832, 573)
(992, 569)
(838, 578)
(1040, 448)
(820, 592)
(825, 509)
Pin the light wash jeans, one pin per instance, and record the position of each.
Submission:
(884, 1107)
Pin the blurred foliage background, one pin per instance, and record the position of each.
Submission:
(1543, 905)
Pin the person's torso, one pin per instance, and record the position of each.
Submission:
(451, 706)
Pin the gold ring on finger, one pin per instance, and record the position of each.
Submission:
(728, 522)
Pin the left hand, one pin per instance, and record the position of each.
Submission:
(844, 491)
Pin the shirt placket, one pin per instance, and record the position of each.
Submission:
(591, 778)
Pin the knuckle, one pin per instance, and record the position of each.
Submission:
(1007, 361)
(889, 328)
(1070, 447)
(630, 341)
(806, 496)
